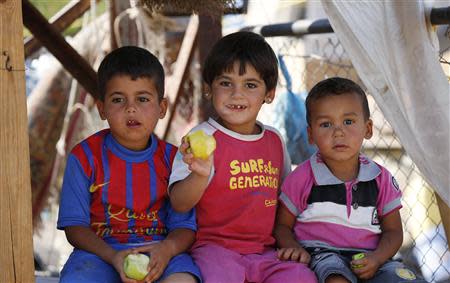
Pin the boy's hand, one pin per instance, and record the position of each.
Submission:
(159, 258)
(198, 166)
(296, 254)
(117, 262)
(370, 265)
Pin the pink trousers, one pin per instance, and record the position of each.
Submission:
(218, 264)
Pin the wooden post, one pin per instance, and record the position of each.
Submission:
(16, 244)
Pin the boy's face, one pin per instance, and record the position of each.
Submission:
(132, 110)
(237, 99)
(338, 128)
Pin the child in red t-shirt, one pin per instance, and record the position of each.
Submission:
(235, 190)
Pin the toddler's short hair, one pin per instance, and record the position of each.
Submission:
(132, 61)
(246, 48)
(335, 86)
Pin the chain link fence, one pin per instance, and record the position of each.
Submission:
(316, 57)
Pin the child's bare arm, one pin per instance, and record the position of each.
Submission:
(185, 193)
(289, 247)
(390, 242)
(84, 238)
(391, 237)
(176, 242)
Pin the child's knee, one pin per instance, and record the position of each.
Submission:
(180, 278)
(309, 276)
(336, 278)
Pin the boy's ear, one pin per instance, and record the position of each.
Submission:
(163, 108)
(207, 91)
(310, 140)
(369, 129)
(100, 108)
(270, 95)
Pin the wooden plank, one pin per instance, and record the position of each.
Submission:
(57, 45)
(174, 82)
(444, 210)
(16, 244)
(60, 21)
(171, 11)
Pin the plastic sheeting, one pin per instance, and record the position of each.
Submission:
(290, 119)
(395, 52)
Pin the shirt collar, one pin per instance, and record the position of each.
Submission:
(368, 170)
(235, 135)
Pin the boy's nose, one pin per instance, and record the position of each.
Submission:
(237, 92)
(338, 131)
(131, 108)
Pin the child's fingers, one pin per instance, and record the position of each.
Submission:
(285, 254)
(154, 273)
(360, 270)
(144, 249)
(125, 279)
(358, 264)
(295, 255)
(363, 273)
(280, 254)
(184, 147)
(188, 158)
(304, 258)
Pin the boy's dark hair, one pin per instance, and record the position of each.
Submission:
(131, 61)
(246, 48)
(335, 86)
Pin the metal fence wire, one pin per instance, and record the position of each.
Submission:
(425, 249)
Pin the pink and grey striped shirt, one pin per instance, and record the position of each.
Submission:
(335, 214)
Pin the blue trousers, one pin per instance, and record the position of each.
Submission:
(88, 268)
(327, 263)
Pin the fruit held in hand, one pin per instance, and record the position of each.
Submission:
(135, 266)
(201, 144)
(356, 257)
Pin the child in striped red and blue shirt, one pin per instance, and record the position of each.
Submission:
(114, 196)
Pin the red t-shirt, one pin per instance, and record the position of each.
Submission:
(237, 210)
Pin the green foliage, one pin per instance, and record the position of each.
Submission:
(49, 8)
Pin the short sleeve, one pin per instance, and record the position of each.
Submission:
(176, 220)
(286, 162)
(389, 197)
(296, 188)
(286, 157)
(180, 170)
(74, 207)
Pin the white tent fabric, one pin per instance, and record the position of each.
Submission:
(395, 52)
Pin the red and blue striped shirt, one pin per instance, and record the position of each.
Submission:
(121, 194)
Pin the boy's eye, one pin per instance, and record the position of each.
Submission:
(348, 122)
(143, 99)
(116, 99)
(325, 125)
(224, 83)
(251, 85)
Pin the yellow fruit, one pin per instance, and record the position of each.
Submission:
(135, 266)
(356, 257)
(201, 144)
